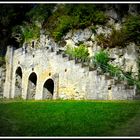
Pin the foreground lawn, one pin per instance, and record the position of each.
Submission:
(70, 118)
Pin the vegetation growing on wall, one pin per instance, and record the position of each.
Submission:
(101, 59)
(26, 32)
(80, 52)
(117, 38)
(130, 32)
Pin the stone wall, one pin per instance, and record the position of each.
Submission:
(2, 79)
(71, 80)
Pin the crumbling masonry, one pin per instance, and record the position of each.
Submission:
(46, 74)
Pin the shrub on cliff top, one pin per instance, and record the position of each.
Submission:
(117, 38)
(131, 28)
(73, 16)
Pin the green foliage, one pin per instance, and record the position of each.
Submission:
(93, 28)
(81, 52)
(57, 35)
(100, 17)
(64, 24)
(86, 14)
(129, 78)
(26, 32)
(101, 59)
(70, 51)
(117, 38)
(132, 28)
(114, 71)
(73, 16)
(40, 12)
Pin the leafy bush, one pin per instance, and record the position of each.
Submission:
(100, 17)
(73, 16)
(101, 59)
(86, 14)
(40, 12)
(116, 38)
(62, 27)
(27, 32)
(70, 51)
(131, 28)
(57, 35)
(80, 52)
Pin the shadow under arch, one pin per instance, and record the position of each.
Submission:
(32, 81)
(18, 83)
(48, 89)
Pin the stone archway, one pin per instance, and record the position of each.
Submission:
(18, 82)
(48, 89)
(32, 81)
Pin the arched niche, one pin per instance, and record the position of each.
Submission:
(48, 89)
(32, 81)
(18, 83)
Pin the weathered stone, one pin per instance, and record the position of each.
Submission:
(71, 81)
(93, 37)
(2, 79)
(112, 14)
(103, 30)
(68, 35)
(133, 9)
(81, 35)
(70, 43)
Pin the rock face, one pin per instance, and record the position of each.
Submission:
(112, 14)
(126, 58)
(133, 9)
(69, 80)
(81, 35)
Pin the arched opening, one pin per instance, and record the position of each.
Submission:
(48, 89)
(32, 86)
(18, 83)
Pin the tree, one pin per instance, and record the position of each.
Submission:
(10, 16)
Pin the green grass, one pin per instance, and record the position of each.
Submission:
(69, 118)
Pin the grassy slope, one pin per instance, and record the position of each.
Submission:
(69, 118)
